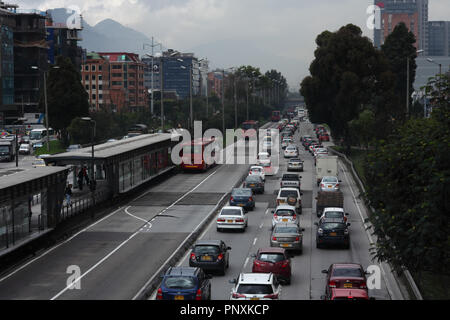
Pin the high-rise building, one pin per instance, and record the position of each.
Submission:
(215, 83)
(413, 13)
(439, 38)
(126, 81)
(95, 79)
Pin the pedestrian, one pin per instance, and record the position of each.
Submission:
(68, 194)
(80, 180)
(85, 175)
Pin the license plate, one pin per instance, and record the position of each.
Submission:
(333, 234)
(285, 245)
(252, 185)
(347, 285)
(206, 258)
(230, 221)
(254, 298)
(281, 201)
(241, 205)
(179, 297)
(285, 220)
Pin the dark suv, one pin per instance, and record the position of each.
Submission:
(184, 283)
(332, 231)
(210, 255)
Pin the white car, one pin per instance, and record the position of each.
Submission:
(329, 183)
(320, 152)
(285, 142)
(25, 149)
(334, 213)
(291, 151)
(285, 193)
(285, 214)
(256, 286)
(231, 217)
(257, 171)
(263, 157)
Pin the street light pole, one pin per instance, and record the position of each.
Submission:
(46, 111)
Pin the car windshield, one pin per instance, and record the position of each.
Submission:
(255, 289)
(332, 225)
(284, 212)
(256, 169)
(4, 149)
(271, 257)
(231, 212)
(347, 272)
(288, 193)
(329, 179)
(242, 192)
(284, 229)
(179, 282)
(334, 214)
(36, 135)
(206, 249)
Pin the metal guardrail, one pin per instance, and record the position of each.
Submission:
(81, 205)
(362, 190)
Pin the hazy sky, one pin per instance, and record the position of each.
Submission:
(270, 34)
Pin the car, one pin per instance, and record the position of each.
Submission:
(291, 151)
(273, 260)
(257, 171)
(290, 180)
(255, 183)
(329, 183)
(304, 138)
(332, 231)
(288, 236)
(345, 276)
(320, 151)
(306, 143)
(73, 147)
(295, 164)
(111, 140)
(268, 169)
(25, 148)
(346, 294)
(285, 213)
(337, 213)
(291, 196)
(256, 286)
(324, 137)
(184, 283)
(231, 217)
(242, 197)
(285, 142)
(263, 157)
(210, 255)
(38, 163)
(24, 140)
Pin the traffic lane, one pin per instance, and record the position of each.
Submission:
(124, 273)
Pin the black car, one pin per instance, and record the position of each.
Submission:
(184, 283)
(255, 183)
(210, 255)
(332, 231)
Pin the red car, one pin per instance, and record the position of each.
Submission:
(347, 294)
(345, 276)
(275, 260)
(324, 137)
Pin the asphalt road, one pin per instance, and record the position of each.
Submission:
(307, 282)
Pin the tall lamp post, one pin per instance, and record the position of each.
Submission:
(153, 45)
(46, 104)
(88, 119)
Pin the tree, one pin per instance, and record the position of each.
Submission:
(344, 77)
(398, 46)
(67, 99)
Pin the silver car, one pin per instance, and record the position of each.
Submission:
(295, 164)
(288, 236)
(329, 183)
(285, 214)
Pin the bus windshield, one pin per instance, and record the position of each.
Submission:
(36, 135)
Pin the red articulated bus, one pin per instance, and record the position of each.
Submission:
(249, 125)
(193, 155)
(276, 116)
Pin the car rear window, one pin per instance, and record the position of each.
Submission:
(291, 177)
(256, 169)
(253, 179)
(332, 225)
(280, 229)
(271, 257)
(330, 179)
(285, 213)
(255, 289)
(180, 282)
(242, 192)
(334, 214)
(288, 193)
(347, 272)
(231, 212)
(206, 249)
(295, 160)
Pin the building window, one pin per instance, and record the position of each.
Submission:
(117, 66)
(94, 97)
(86, 77)
(93, 77)
(86, 67)
(100, 77)
(100, 87)
(87, 87)
(93, 87)
(93, 67)
(100, 68)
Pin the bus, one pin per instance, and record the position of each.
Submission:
(137, 129)
(39, 136)
(249, 125)
(276, 116)
(193, 155)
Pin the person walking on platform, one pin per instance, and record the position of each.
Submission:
(80, 180)
(68, 194)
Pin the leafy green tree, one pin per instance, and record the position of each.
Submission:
(66, 97)
(398, 46)
(362, 128)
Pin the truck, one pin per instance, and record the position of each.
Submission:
(290, 180)
(326, 166)
(328, 199)
(7, 150)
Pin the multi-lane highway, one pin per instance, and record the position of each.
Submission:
(121, 253)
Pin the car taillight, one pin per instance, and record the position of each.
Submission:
(237, 295)
(332, 284)
(297, 239)
(250, 199)
(220, 256)
(285, 264)
(271, 296)
(275, 216)
(337, 184)
(322, 185)
(198, 296)
(193, 256)
(159, 294)
(274, 238)
(220, 220)
(362, 285)
(231, 199)
(294, 217)
(239, 220)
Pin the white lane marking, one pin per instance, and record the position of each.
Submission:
(124, 242)
(390, 292)
(261, 225)
(246, 261)
(147, 223)
(254, 241)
